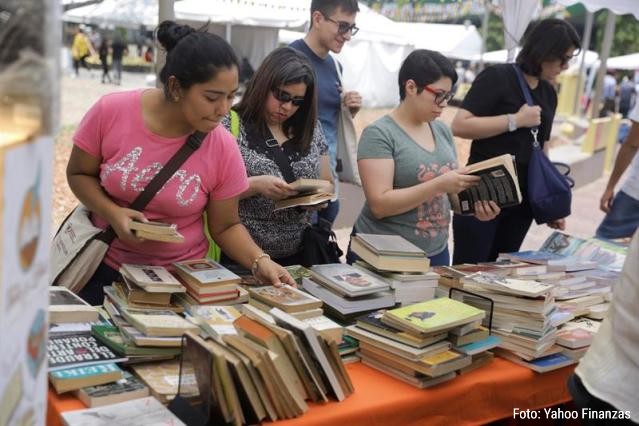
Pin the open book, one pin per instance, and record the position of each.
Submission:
(498, 183)
(310, 192)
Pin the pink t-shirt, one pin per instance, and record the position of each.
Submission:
(114, 131)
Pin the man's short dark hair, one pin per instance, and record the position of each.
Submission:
(424, 67)
(546, 40)
(328, 7)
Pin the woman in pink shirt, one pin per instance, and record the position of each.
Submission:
(127, 137)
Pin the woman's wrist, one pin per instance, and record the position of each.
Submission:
(255, 265)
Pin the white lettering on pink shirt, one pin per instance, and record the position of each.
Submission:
(189, 184)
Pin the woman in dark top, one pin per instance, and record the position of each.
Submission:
(104, 59)
(494, 114)
(279, 112)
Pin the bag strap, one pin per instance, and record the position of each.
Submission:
(280, 158)
(529, 100)
(192, 143)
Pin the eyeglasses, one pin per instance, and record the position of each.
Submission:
(440, 97)
(284, 97)
(343, 27)
(566, 58)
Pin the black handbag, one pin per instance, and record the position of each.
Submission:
(319, 243)
(549, 193)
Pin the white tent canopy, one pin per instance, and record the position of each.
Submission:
(625, 62)
(454, 41)
(122, 13)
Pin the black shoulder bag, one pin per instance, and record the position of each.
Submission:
(319, 243)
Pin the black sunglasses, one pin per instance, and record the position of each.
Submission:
(343, 27)
(284, 97)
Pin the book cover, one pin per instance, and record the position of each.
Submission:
(157, 322)
(65, 307)
(433, 315)
(514, 286)
(163, 378)
(304, 200)
(498, 183)
(391, 245)
(76, 378)
(153, 227)
(205, 271)
(149, 275)
(143, 411)
(127, 388)
(347, 280)
(287, 298)
(480, 345)
(79, 350)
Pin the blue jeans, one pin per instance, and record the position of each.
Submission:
(329, 213)
(622, 219)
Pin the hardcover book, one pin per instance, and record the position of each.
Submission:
(65, 307)
(432, 316)
(498, 183)
(127, 388)
(287, 298)
(157, 322)
(389, 245)
(347, 280)
(152, 278)
(203, 272)
(79, 350)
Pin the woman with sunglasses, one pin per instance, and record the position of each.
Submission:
(407, 162)
(494, 114)
(279, 111)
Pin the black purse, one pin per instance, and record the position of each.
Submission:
(319, 243)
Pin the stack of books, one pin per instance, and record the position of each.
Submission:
(575, 337)
(346, 291)
(79, 360)
(66, 307)
(408, 287)
(127, 388)
(147, 287)
(157, 231)
(207, 282)
(289, 299)
(523, 315)
(412, 343)
(390, 253)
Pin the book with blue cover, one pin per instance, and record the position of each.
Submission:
(76, 378)
(540, 365)
(480, 346)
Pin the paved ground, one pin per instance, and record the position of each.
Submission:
(78, 94)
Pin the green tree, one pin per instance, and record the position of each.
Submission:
(626, 37)
(495, 34)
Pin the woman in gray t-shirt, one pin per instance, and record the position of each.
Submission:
(407, 162)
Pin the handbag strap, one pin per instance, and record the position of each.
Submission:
(192, 143)
(529, 100)
(280, 158)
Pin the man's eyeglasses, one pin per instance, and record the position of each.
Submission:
(284, 97)
(440, 97)
(343, 27)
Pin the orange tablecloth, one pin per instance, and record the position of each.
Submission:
(484, 395)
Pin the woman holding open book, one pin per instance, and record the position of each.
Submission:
(495, 115)
(407, 162)
(128, 137)
(281, 142)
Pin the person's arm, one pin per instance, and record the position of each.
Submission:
(235, 241)
(269, 186)
(469, 126)
(83, 177)
(624, 158)
(383, 200)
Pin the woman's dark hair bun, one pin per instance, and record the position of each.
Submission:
(169, 33)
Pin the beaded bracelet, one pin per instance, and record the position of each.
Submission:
(255, 265)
